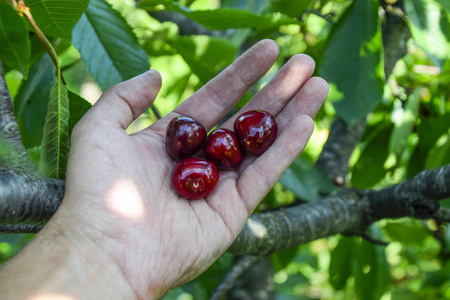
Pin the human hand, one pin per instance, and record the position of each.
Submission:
(118, 188)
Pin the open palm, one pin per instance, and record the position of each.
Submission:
(119, 190)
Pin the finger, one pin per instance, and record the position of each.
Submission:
(261, 175)
(307, 101)
(274, 96)
(124, 102)
(211, 103)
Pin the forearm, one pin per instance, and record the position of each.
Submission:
(61, 265)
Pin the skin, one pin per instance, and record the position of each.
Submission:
(121, 231)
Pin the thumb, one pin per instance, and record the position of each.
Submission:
(124, 102)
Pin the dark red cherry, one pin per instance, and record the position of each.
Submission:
(223, 149)
(256, 130)
(194, 178)
(184, 137)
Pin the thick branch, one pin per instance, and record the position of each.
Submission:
(417, 197)
(347, 213)
(10, 131)
(395, 35)
(8, 125)
(270, 232)
(28, 199)
(336, 152)
(19, 228)
(25, 196)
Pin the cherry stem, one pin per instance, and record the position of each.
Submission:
(24, 10)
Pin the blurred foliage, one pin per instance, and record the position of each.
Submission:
(408, 113)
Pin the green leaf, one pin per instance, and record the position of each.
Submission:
(254, 6)
(439, 155)
(372, 277)
(404, 124)
(341, 262)
(407, 231)
(78, 106)
(109, 48)
(292, 8)
(258, 7)
(55, 144)
(430, 28)
(30, 104)
(281, 259)
(34, 154)
(57, 18)
(438, 278)
(429, 130)
(305, 181)
(206, 56)
(369, 169)
(225, 18)
(445, 4)
(15, 45)
(352, 61)
(174, 294)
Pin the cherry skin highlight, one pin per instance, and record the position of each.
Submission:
(184, 137)
(256, 130)
(223, 149)
(194, 178)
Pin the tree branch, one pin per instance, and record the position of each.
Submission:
(270, 232)
(337, 150)
(243, 264)
(395, 33)
(28, 199)
(8, 126)
(20, 228)
(350, 212)
(256, 283)
(25, 196)
(417, 197)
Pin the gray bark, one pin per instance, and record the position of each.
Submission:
(256, 283)
(349, 213)
(25, 196)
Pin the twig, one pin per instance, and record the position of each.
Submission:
(373, 240)
(236, 271)
(24, 10)
(8, 228)
(155, 111)
(327, 17)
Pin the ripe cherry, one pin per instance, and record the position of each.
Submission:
(184, 137)
(194, 178)
(256, 130)
(222, 148)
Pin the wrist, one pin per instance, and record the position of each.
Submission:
(104, 249)
(82, 261)
(61, 262)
